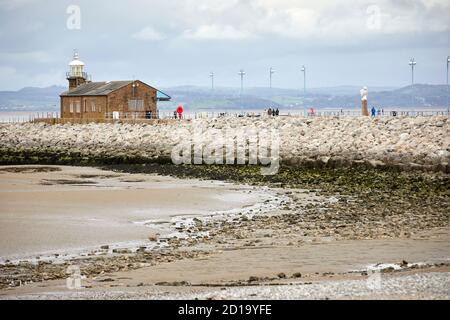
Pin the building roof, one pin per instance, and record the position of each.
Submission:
(76, 60)
(161, 96)
(76, 63)
(105, 88)
(96, 88)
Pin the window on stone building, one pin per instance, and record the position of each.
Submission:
(93, 105)
(135, 105)
(71, 107)
(78, 106)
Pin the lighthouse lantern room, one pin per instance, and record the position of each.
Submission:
(76, 74)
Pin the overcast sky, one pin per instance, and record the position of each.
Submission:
(178, 42)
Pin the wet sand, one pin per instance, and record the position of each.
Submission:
(316, 271)
(239, 264)
(75, 207)
(300, 247)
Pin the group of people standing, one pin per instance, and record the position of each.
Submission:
(273, 112)
(374, 112)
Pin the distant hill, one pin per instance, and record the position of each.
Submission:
(31, 98)
(419, 95)
(423, 95)
(201, 98)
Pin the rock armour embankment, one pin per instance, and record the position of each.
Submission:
(422, 142)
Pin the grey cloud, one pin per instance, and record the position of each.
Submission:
(178, 42)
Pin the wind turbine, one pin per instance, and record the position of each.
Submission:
(242, 74)
(271, 72)
(211, 75)
(303, 69)
(412, 63)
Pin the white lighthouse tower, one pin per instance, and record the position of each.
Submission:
(76, 75)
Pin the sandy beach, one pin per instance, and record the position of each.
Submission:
(49, 209)
(217, 240)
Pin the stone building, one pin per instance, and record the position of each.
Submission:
(85, 99)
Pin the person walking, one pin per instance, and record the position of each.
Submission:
(373, 111)
(277, 112)
(269, 111)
